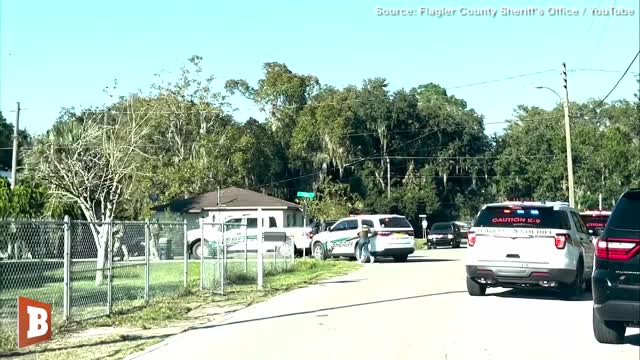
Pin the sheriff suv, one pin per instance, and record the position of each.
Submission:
(529, 245)
(616, 277)
(390, 236)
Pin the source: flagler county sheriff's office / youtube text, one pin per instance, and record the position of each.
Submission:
(505, 11)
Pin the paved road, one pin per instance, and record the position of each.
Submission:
(414, 310)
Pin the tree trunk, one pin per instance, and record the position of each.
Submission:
(102, 233)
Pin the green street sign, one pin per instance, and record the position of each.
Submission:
(309, 195)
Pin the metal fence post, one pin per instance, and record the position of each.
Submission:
(147, 253)
(186, 253)
(260, 243)
(109, 267)
(221, 262)
(67, 270)
(246, 248)
(202, 252)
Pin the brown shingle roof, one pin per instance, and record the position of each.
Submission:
(229, 198)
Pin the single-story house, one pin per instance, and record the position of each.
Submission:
(230, 203)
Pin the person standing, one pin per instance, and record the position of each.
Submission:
(363, 252)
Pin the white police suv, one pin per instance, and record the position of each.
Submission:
(529, 244)
(389, 235)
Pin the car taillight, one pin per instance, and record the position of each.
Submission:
(617, 248)
(384, 233)
(561, 240)
(471, 239)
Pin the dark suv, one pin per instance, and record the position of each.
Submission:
(616, 276)
(446, 234)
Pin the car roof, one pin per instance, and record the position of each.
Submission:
(596, 212)
(549, 204)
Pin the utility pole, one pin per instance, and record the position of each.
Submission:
(388, 178)
(14, 159)
(567, 129)
(600, 202)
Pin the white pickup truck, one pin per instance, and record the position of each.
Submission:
(241, 233)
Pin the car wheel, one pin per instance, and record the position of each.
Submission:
(608, 332)
(576, 288)
(196, 250)
(318, 251)
(400, 258)
(475, 289)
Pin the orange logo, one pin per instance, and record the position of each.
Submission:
(34, 322)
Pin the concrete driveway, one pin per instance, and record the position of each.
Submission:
(413, 310)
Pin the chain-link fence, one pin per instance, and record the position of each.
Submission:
(88, 269)
(31, 265)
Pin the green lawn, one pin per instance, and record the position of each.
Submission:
(175, 302)
(43, 281)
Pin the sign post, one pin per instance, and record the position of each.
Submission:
(305, 196)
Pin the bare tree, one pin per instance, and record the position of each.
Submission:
(91, 158)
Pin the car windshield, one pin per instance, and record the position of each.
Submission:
(441, 226)
(395, 222)
(525, 216)
(595, 223)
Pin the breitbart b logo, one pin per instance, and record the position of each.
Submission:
(34, 322)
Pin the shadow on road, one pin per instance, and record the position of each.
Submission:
(330, 309)
(340, 281)
(540, 294)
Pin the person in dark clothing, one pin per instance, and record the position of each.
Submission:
(363, 254)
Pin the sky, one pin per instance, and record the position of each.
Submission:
(63, 53)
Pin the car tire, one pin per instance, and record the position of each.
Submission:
(608, 332)
(576, 289)
(195, 248)
(475, 289)
(318, 252)
(400, 258)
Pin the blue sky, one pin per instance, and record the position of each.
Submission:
(63, 53)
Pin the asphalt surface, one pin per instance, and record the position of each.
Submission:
(414, 310)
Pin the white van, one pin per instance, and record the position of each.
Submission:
(390, 236)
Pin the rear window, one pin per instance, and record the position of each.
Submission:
(441, 226)
(395, 222)
(530, 217)
(596, 222)
(626, 214)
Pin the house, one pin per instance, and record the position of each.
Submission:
(230, 203)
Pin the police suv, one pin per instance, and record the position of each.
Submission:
(529, 244)
(389, 235)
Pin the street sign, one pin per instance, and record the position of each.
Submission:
(423, 216)
(424, 224)
(309, 195)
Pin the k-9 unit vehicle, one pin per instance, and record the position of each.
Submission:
(529, 244)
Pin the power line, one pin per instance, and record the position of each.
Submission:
(619, 80)
(601, 34)
(584, 39)
(498, 80)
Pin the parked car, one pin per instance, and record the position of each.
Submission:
(595, 222)
(446, 234)
(242, 232)
(616, 277)
(390, 236)
(529, 245)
